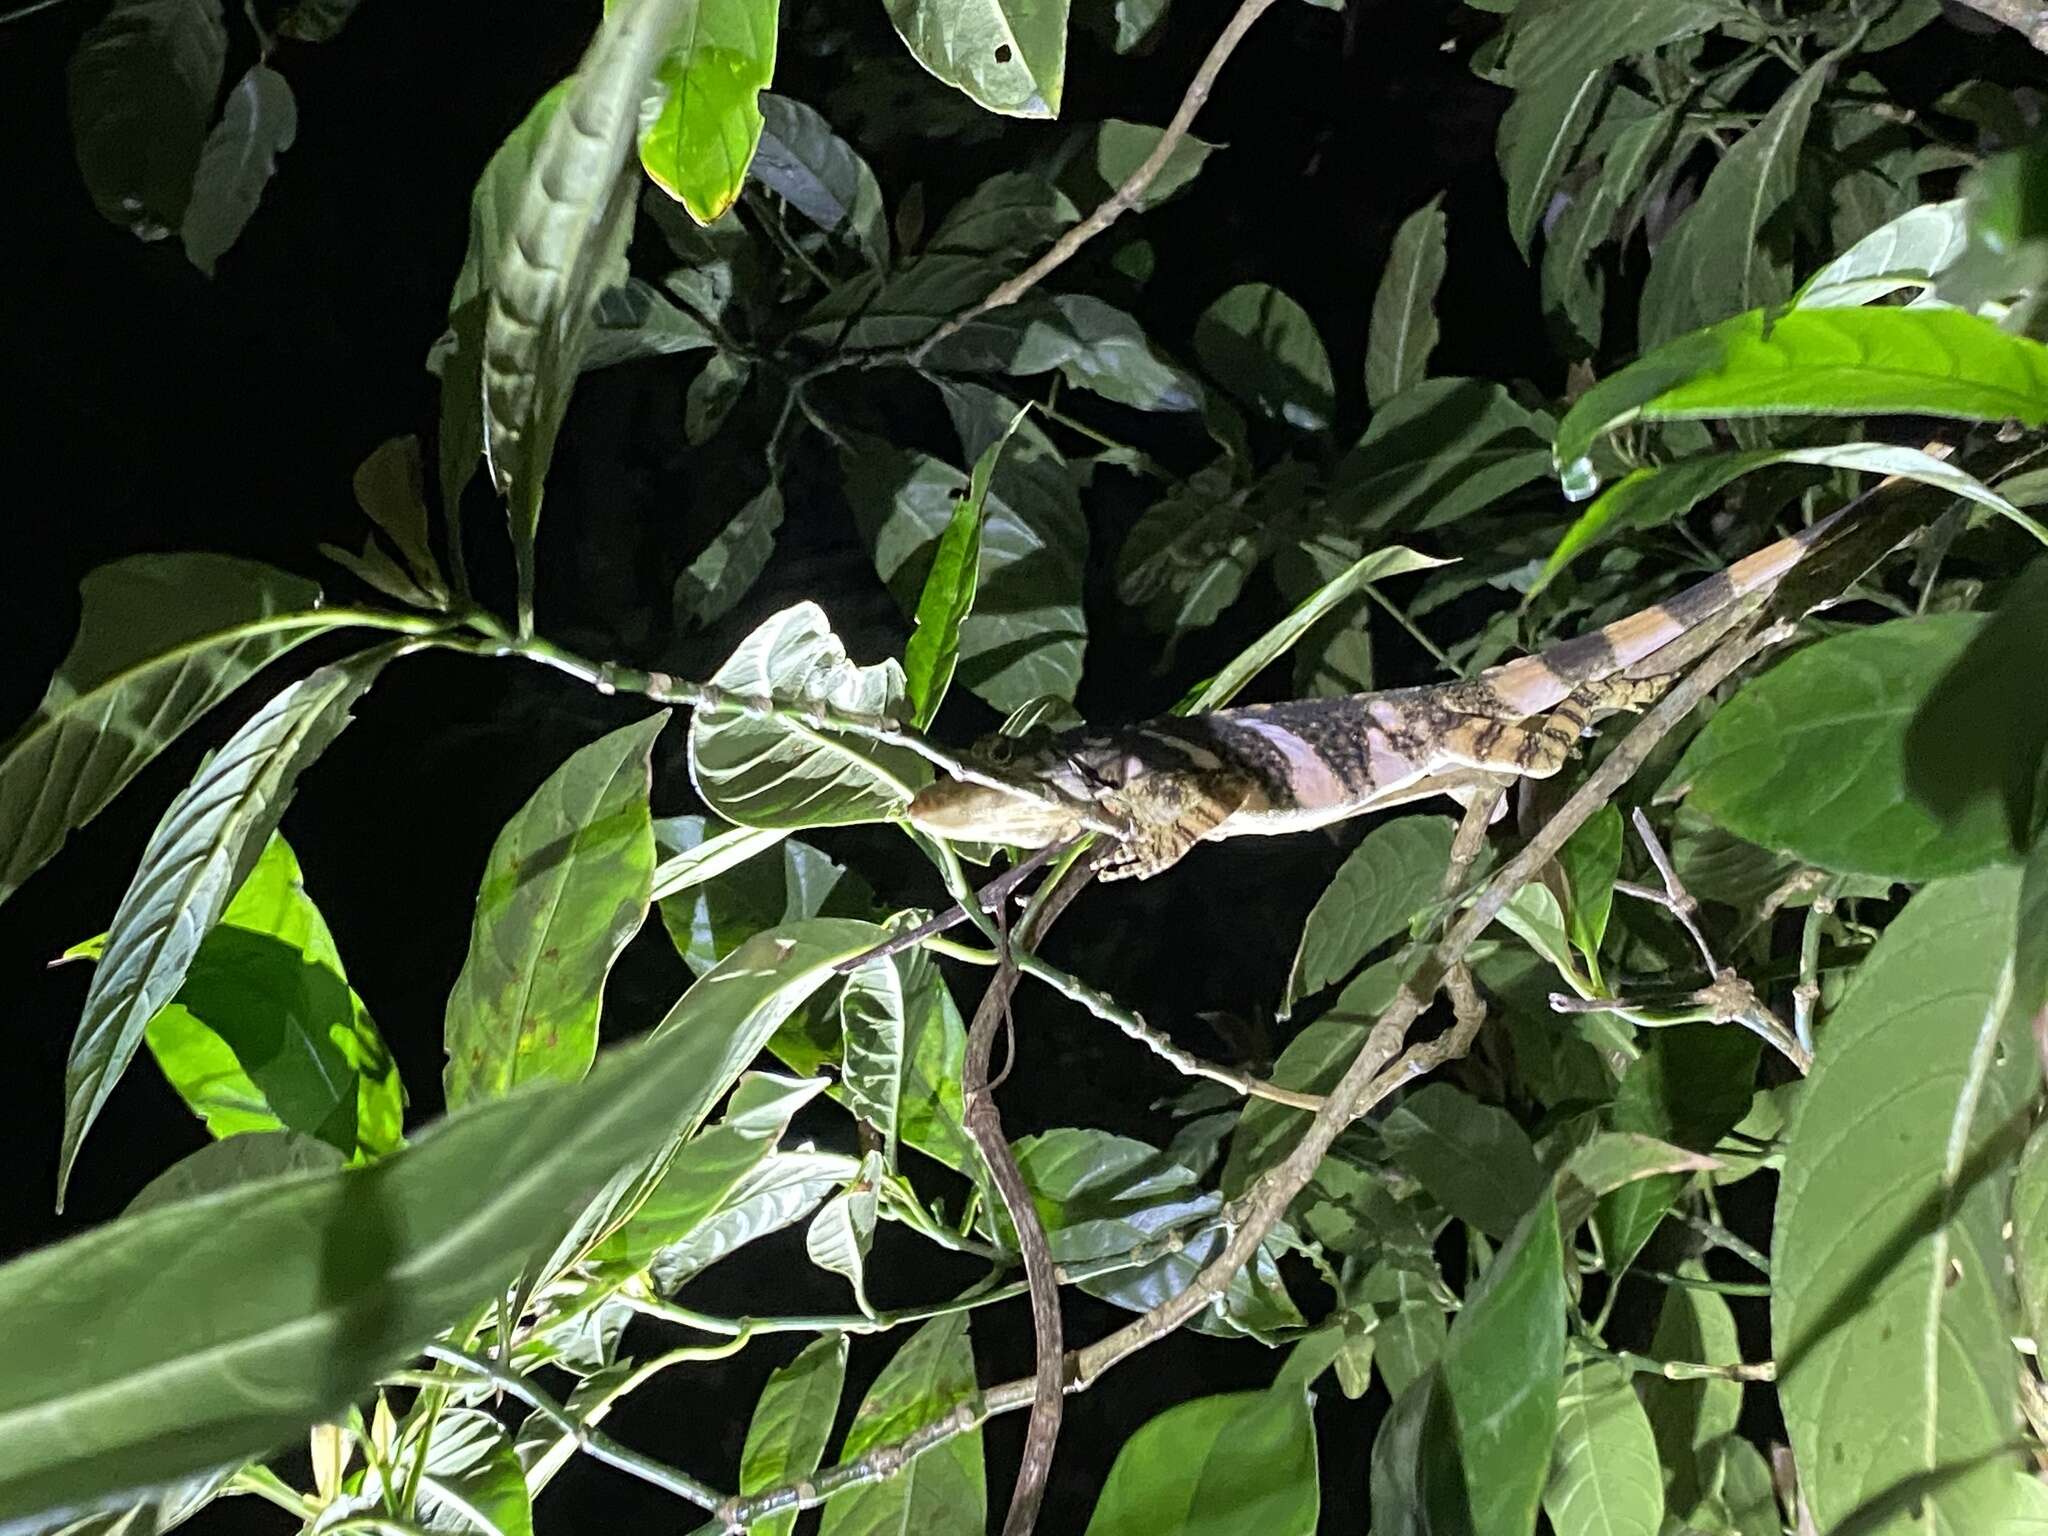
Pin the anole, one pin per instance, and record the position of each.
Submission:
(1163, 785)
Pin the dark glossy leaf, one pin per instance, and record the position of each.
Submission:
(1553, 37)
(266, 1034)
(206, 843)
(142, 87)
(1263, 347)
(1826, 362)
(1503, 1365)
(1573, 287)
(316, 21)
(944, 1492)
(1890, 1307)
(161, 640)
(1439, 452)
(1215, 1466)
(1404, 328)
(712, 395)
(1119, 148)
(819, 174)
(566, 885)
(1026, 634)
(1968, 743)
(791, 1423)
(1477, 1163)
(251, 1313)
(726, 571)
(1811, 757)
(1538, 138)
(1388, 878)
(1417, 1487)
(257, 125)
(698, 146)
(1189, 555)
(1604, 1479)
(765, 773)
(390, 487)
(1719, 260)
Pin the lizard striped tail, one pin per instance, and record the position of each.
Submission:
(1530, 685)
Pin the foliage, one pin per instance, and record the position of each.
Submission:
(1625, 1167)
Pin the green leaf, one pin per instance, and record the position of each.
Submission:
(1311, 1063)
(780, 1191)
(1477, 1163)
(390, 487)
(1591, 859)
(569, 223)
(1503, 1366)
(884, 1007)
(1417, 1488)
(1662, 493)
(1191, 552)
(239, 1160)
(1615, 1160)
(1690, 1085)
(1552, 37)
(142, 87)
(1573, 285)
(948, 596)
(731, 563)
(771, 773)
(224, 1325)
(1691, 1418)
(944, 1492)
(1816, 362)
(265, 1034)
(1404, 328)
(1027, 633)
(1411, 1328)
(1811, 757)
(707, 1170)
(1387, 879)
(1909, 252)
(1604, 1479)
(1263, 347)
(712, 395)
(316, 21)
(722, 907)
(1215, 1466)
(209, 838)
(1718, 259)
(791, 1423)
(1120, 147)
(841, 1233)
(1436, 453)
(1890, 1307)
(1968, 743)
(161, 640)
(1394, 560)
(801, 160)
(565, 887)
(719, 60)
(471, 1480)
(1009, 55)
(2030, 1231)
(1538, 137)
(239, 158)
(1008, 217)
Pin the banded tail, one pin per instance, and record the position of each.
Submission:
(1530, 685)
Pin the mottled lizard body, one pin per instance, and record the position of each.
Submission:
(1163, 785)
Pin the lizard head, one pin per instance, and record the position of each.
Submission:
(1059, 788)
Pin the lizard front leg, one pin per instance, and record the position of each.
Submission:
(1540, 749)
(1168, 814)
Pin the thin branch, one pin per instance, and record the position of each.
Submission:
(1676, 900)
(600, 1446)
(1124, 197)
(989, 897)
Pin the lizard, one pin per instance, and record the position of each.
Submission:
(1163, 785)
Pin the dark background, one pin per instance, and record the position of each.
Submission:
(148, 408)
